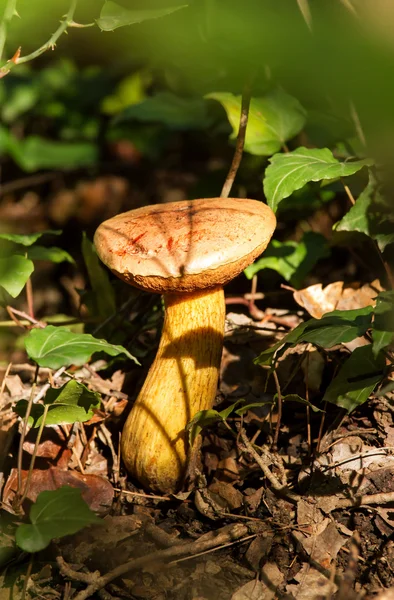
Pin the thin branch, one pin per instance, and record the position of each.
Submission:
(23, 436)
(263, 464)
(279, 416)
(65, 24)
(34, 455)
(348, 192)
(239, 146)
(226, 534)
(9, 12)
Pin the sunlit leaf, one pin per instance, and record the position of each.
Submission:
(131, 90)
(292, 260)
(56, 347)
(27, 239)
(14, 272)
(113, 15)
(71, 403)
(356, 379)
(55, 514)
(53, 254)
(273, 119)
(292, 170)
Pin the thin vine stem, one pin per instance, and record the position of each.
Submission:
(23, 435)
(240, 143)
(67, 22)
(9, 12)
(34, 455)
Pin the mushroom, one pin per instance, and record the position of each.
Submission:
(186, 251)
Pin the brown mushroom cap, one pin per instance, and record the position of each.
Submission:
(185, 246)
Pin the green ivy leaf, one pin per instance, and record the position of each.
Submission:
(103, 293)
(53, 254)
(28, 239)
(273, 119)
(71, 403)
(55, 514)
(371, 215)
(113, 15)
(356, 379)
(56, 347)
(336, 327)
(291, 171)
(14, 272)
(170, 110)
(292, 260)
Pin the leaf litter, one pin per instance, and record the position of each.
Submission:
(288, 529)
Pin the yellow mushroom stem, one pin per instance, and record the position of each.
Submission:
(181, 381)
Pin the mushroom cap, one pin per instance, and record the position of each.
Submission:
(185, 246)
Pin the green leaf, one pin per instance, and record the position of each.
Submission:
(356, 379)
(338, 326)
(372, 215)
(292, 260)
(14, 272)
(35, 152)
(173, 111)
(28, 239)
(244, 409)
(291, 171)
(103, 292)
(71, 403)
(299, 400)
(203, 418)
(56, 347)
(113, 15)
(273, 119)
(131, 90)
(383, 325)
(53, 254)
(55, 514)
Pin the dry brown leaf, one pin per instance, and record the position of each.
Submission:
(271, 578)
(258, 550)
(97, 492)
(311, 585)
(318, 300)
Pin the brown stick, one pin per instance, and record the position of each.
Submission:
(239, 146)
(213, 539)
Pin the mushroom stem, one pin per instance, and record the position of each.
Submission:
(181, 381)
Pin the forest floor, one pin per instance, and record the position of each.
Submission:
(286, 500)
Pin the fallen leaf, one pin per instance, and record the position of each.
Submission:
(311, 585)
(258, 550)
(318, 300)
(265, 589)
(97, 492)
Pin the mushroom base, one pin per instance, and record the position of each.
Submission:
(181, 381)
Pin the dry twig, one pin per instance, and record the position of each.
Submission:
(229, 533)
